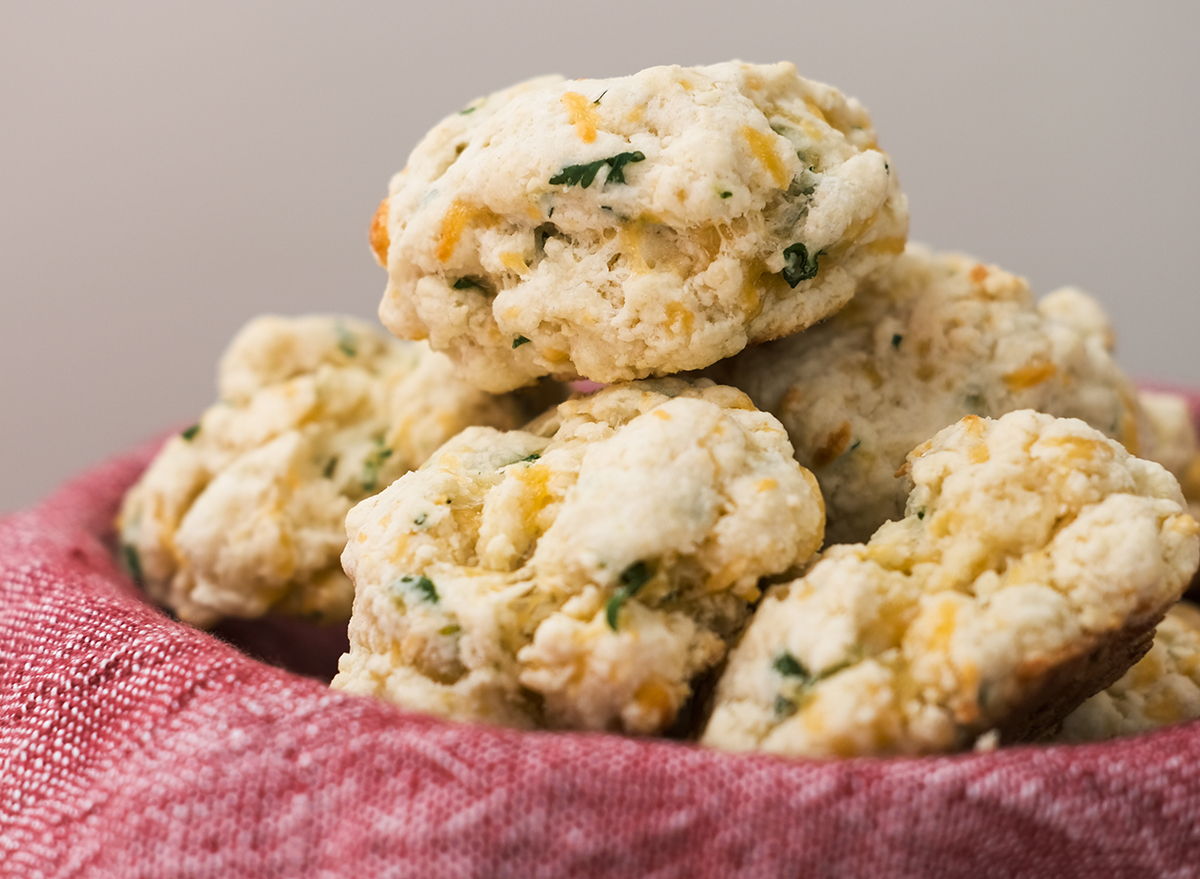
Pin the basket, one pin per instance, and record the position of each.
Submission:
(132, 745)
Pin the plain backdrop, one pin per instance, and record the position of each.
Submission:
(169, 170)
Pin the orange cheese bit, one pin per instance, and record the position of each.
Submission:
(941, 619)
(582, 114)
(631, 242)
(514, 262)
(749, 297)
(654, 697)
(835, 443)
(536, 495)
(681, 315)
(762, 146)
(1076, 448)
(891, 245)
(452, 228)
(454, 222)
(378, 234)
(1030, 375)
(815, 109)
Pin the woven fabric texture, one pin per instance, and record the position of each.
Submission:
(131, 745)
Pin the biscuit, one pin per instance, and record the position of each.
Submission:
(1171, 440)
(928, 339)
(624, 228)
(1163, 688)
(1033, 562)
(580, 573)
(244, 512)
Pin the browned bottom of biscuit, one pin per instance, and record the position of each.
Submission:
(1058, 686)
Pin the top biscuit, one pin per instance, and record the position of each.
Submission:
(623, 228)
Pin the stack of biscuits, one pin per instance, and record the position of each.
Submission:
(814, 490)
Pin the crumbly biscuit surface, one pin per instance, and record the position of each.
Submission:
(244, 513)
(1028, 542)
(580, 573)
(1163, 688)
(1171, 437)
(624, 228)
(926, 340)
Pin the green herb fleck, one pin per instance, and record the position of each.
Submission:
(346, 341)
(133, 563)
(633, 579)
(467, 110)
(921, 513)
(330, 467)
(451, 629)
(519, 341)
(798, 681)
(602, 94)
(855, 445)
(790, 667)
(532, 457)
(422, 585)
(798, 265)
(975, 403)
(583, 175)
(190, 433)
(372, 465)
(464, 284)
(421, 519)
(726, 194)
(784, 707)
(896, 340)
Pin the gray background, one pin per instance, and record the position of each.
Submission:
(169, 170)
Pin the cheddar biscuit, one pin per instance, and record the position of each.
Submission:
(579, 573)
(244, 512)
(1171, 439)
(1033, 562)
(926, 340)
(624, 228)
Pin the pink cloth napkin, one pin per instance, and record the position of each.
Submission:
(131, 745)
